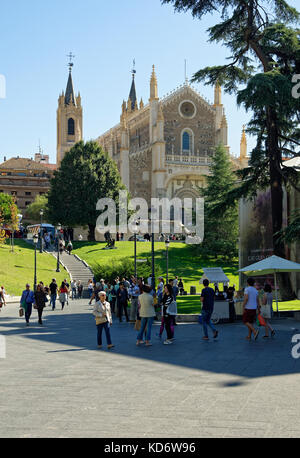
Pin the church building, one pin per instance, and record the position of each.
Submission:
(164, 148)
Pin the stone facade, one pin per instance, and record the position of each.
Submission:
(164, 149)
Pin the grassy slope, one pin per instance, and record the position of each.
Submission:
(17, 269)
(182, 261)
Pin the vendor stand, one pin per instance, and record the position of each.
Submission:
(216, 276)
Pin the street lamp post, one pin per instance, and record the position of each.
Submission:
(58, 231)
(41, 230)
(137, 223)
(35, 241)
(167, 242)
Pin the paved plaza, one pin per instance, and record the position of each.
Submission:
(56, 383)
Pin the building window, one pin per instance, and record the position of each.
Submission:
(27, 193)
(27, 203)
(13, 193)
(71, 126)
(187, 141)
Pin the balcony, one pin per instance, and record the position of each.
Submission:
(187, 160)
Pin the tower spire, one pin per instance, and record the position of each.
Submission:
(153, 85)
(70, 94)
(243, 149)
(132, 93)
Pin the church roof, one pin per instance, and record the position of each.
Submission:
(132, 94)
(70, 94)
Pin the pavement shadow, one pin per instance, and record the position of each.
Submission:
(229, 354)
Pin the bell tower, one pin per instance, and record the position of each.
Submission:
(69, 118)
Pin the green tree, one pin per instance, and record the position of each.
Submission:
(221, 229)
(9, 211)
(86, 175)
(33, 210)
(264, 55)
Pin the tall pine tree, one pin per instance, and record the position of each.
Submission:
(221, 228)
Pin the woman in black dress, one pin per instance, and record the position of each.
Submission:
(40, 301)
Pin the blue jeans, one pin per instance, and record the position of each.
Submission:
(206, 316)
(53, 300)
(100, 328)
(145, 322)
(28, 311)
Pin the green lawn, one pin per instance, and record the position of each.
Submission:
(191, 305)
(17, 268)
(182, 259)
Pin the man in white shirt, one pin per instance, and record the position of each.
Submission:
(250, 305)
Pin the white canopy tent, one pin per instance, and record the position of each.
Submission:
(271, 265)
(214, 275)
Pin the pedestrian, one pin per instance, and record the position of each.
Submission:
(79, 289)
(74, 289)
(40, 301)
(68, 288)
(160, 290)
(96, 291)
(53, 293)
(2, 298)
(134, 292)
(250, 305)
(61, 246)
(181, 287)
(230, 298)
(69, 247)
(27, 299)
(266, 309)
(63, 294)
(168, 299)
(122, 302)
(147, 314)
(90, 288)
(103, 318)
(208, 299)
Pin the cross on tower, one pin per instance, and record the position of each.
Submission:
(70, 64)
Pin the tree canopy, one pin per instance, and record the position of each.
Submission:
(8, 211)
(33, 210)
(86, 174)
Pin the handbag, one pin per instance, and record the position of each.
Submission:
(260, 320)
(137, 325)
(21, 312)
(172, 308)
(100, 320)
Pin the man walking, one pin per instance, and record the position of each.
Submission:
(250, 305)
(26, 302)
(208, 299)
(53, 293)
(74, 289)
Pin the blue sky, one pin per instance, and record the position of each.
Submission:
(105, 36)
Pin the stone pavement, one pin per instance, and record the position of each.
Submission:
(56, 383)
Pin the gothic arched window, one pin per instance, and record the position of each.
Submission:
(187, 141)
(71, 126)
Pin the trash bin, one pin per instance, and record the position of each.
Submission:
(193, 290)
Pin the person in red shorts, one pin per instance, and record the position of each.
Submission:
(250, 305)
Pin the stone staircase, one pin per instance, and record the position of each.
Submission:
(77, 269)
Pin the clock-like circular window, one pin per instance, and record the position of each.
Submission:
(187, 109)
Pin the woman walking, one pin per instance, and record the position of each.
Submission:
(147, 314)
(2, 298)
(266, 309)
(63, 294)
(40, 301)
(168, 298)
(103, 318)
